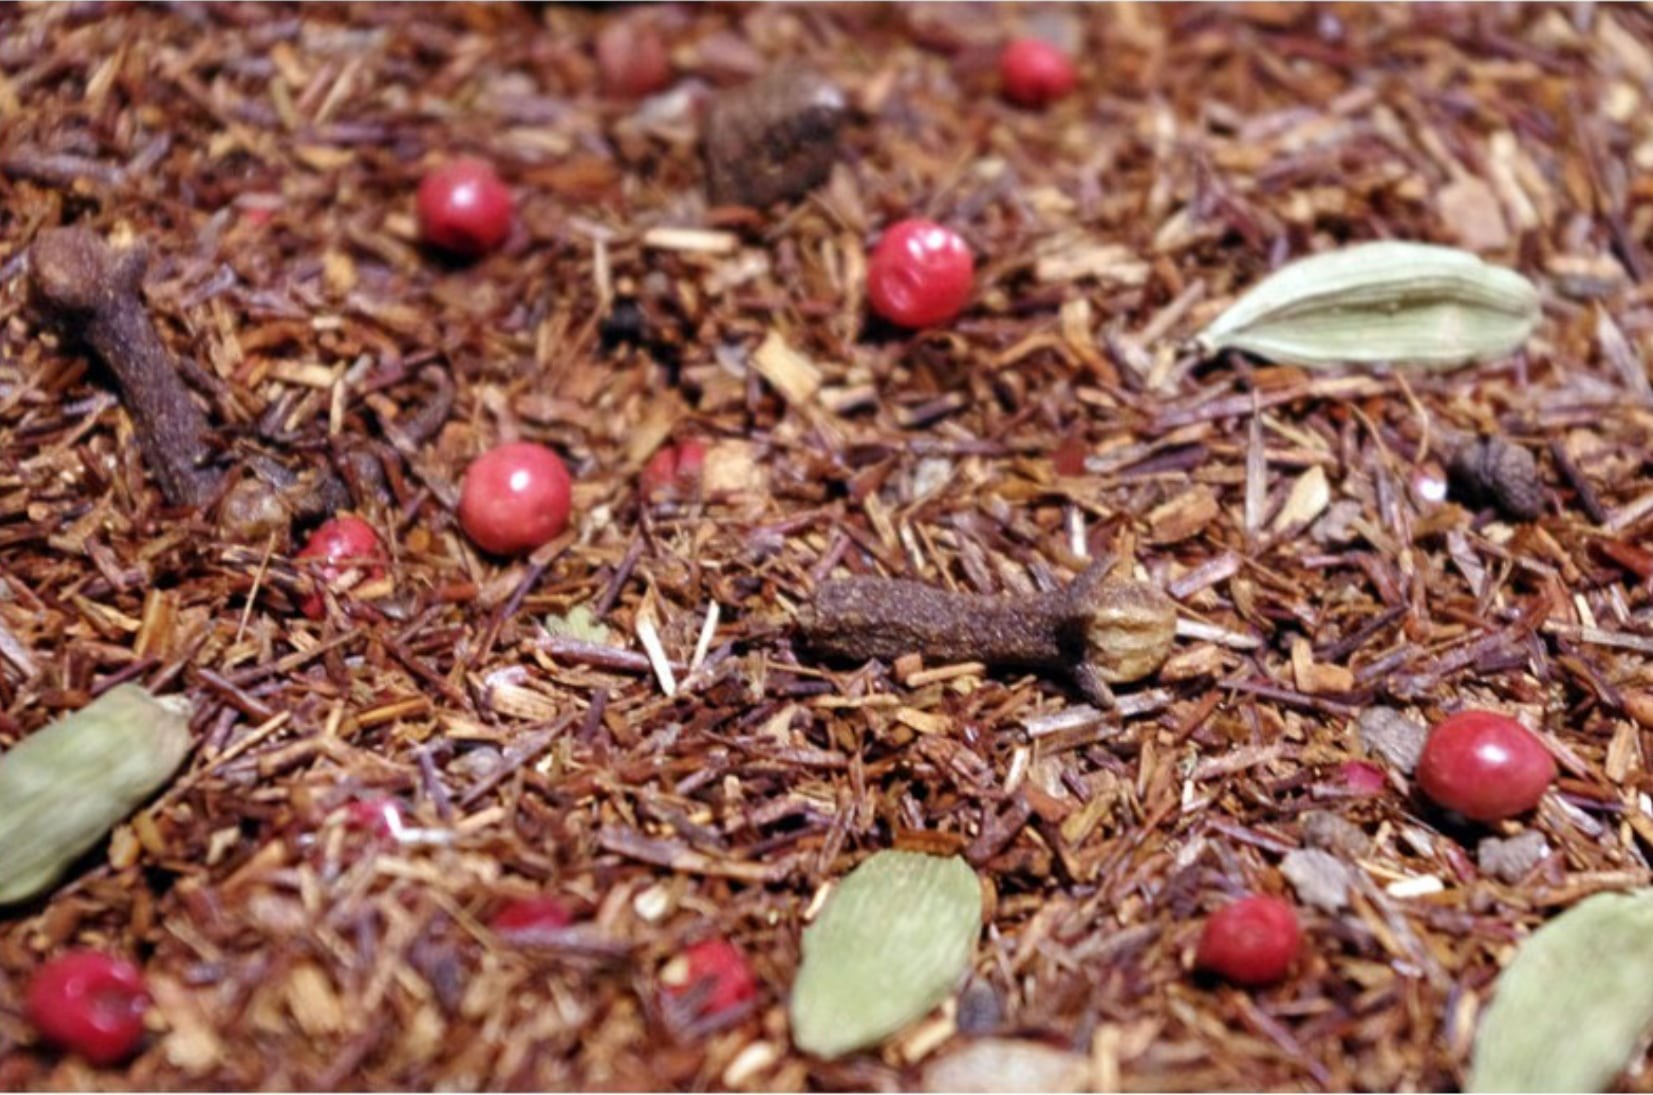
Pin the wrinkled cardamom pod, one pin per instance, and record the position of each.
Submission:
(1384, 303)
(63, 788)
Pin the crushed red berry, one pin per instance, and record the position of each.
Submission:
(711, 979)
(340, 544)
(89, 1003)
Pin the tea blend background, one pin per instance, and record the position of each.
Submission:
(1332, 602)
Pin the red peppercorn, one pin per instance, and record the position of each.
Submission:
(464, 208)
(920, 274)
(342, 544)
(1251, 942)
(515, 498)
(522, 919)
(89, 1003)
(1361, 778)
(1035, 73)
(1484, 765)
(715, 978)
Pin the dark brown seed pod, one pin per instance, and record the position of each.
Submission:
(1491, 469)
(773, 139)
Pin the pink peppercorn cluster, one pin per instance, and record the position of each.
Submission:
(89, 1003)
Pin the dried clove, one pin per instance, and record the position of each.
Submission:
(773, 139)
(94, 293)
(1098, 631)
(1491, 469)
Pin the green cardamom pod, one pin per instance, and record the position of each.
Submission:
(63, 788)
(1384, 303)
(891, 942)
(1573, 1009)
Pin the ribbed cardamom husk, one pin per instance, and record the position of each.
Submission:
(63, 788)
(1386, 303)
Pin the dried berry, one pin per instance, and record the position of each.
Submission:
(773, 139)
(340, 544)
(464, 208)
(89, 1003)
(1251, 942)
(515, 498)
(1034, 73)
(1491, 469)
(1485, 766)
(710, 980)
(920, 274)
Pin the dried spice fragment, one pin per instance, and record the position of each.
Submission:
(1491, 469)
(94, 293)
(1384, 303)
(1098, 631)
(65, 787)
(892, 941)
(1574, 1007)
(1392, 736)
(772, 139)
(1509, 859)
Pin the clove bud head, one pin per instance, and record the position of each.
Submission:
(1128, 628)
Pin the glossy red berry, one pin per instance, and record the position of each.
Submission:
(920, 274)
(1360, 777)
(1251, 942)
(713, 976)
(515, 498)
(464, 208)
(522, 919)
(342, 544)
(1035, 73)
(89, 1003)
(1485, 766)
